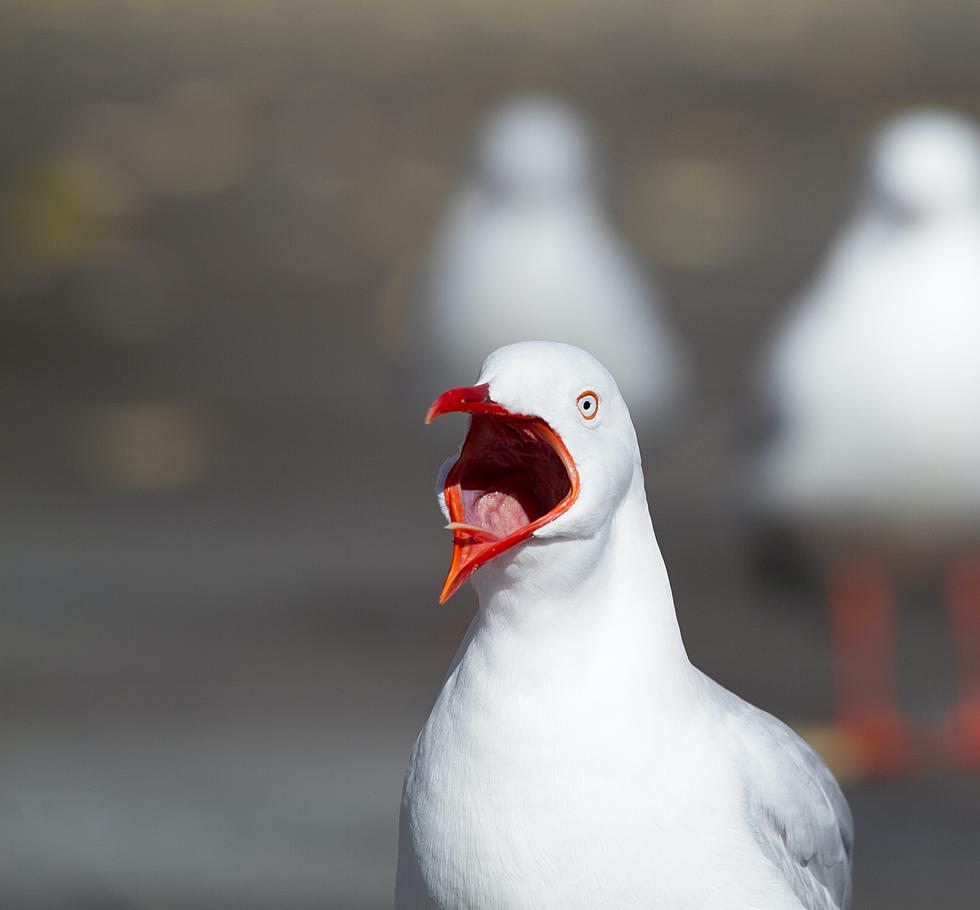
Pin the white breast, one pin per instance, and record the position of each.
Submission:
(876, 385)
(565, 799)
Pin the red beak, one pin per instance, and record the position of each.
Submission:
(473, 399)
(513, 475)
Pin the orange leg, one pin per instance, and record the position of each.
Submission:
(863, 643)
(964, 606)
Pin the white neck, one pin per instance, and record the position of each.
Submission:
(561, 607)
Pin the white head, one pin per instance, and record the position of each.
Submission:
(924, 164)
(550, 456)
(535, 147)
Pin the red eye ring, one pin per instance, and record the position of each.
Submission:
(588, 404)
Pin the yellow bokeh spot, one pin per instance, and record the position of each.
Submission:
(59, 214)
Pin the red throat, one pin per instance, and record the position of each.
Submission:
(513, 475)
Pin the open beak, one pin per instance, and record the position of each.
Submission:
(513, 475)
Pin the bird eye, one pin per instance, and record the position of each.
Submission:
(588, 405)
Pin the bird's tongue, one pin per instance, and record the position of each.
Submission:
(496, 512)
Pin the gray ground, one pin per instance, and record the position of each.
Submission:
(219, 550)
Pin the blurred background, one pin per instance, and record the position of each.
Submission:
(221, 555)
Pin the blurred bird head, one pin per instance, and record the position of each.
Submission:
(550, 455)
(535, 148)
(925, 164)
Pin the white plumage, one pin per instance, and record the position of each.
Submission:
(527, 252)
(874, 379)
(574, 757)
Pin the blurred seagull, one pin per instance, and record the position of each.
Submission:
(874, 385)
(527, 252)
(574, 757)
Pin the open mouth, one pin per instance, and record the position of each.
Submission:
(513, 475)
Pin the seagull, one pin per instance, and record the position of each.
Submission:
(873, 384)
(575, 758)
(527, 252)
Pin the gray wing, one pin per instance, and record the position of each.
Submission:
(796, 810)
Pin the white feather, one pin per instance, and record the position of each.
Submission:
(574, 757)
